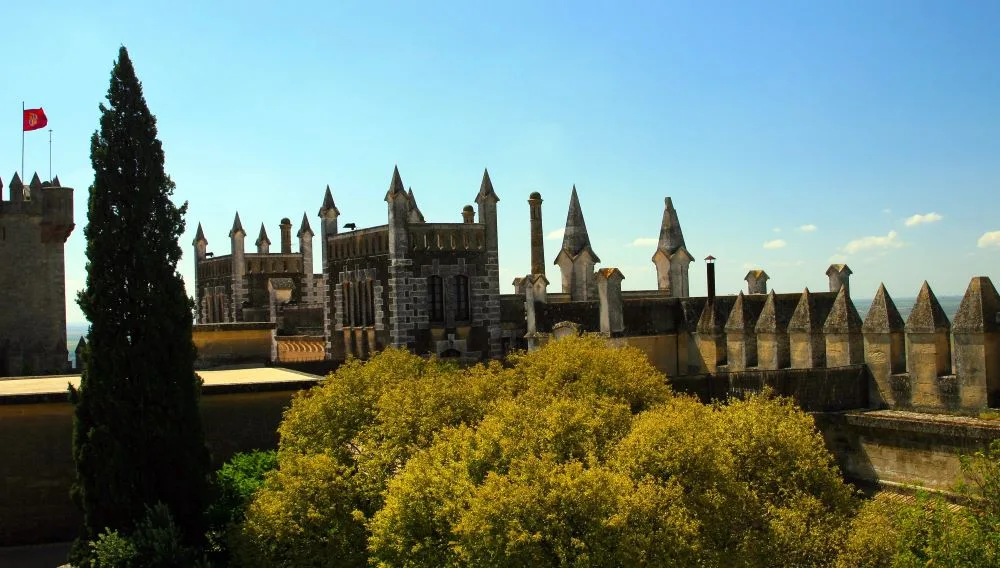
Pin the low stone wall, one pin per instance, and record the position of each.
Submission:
(232, 343)
(902, 450)
(36, 462)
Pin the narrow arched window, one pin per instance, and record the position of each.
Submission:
(371, 302)
(435, 292)
(462, 298)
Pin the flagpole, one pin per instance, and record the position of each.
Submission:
(50, 154)
(22, 141)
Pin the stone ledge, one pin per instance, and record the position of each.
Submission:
(921, 423)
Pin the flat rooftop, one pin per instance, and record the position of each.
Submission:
(53, 388)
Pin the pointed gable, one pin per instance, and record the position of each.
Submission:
(415, 215)
(980, 308)
(883, 317)
(262, 236)
(328, 204)
(304, 228)
(237, 227)
(927, 315)
(843, 317)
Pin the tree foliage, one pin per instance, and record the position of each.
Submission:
(138, 437)
(576, 454)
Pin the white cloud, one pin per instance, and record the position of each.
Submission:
(887, 211)
(808, 228)
(838, 258)
(775, 244)
(914, 220)
(990, 239)
(645, 242)
(555, 235)
(776, 229)
(866, 243)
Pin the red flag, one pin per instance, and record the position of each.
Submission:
(34, 118)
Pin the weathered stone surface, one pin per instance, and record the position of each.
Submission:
(811, 311)
(882, 314)
(843, 316)
(979, 311)
(927, 315)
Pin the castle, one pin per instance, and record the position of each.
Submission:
(434, 288)
(34, 225)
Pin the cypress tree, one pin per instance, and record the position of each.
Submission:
(138, 437)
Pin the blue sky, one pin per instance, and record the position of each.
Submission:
(789, 134)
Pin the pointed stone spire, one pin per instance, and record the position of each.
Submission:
(671, 237)
(396, 185)
(199, 236)
(15, 182)
(486, 187)
(980, 308)
(927, 315)
(305, 228)
(328, 204)
(768, 320)
(262, 237)
(843, 317)
(237, 226)
(55, 182)
(882, 314)
(36, 183)
(575, 237)
(810, 314)
(738, 317)
(415, 215)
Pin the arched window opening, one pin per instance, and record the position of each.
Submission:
(462, 298)
(435, 291)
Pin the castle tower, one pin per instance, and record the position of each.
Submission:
(741, 341)
(305, 236)
(756, 281)
(486, 310)
(840, 276)
(286, 236)
(885, 350)
(672, 257)
(928, 347)
(576, 259)
(977, 345)
(236, 239)
(468, 215)
(537, 237)
(805, 332)
(328, 214)
(263, 243)
(33, 233)
(401, 300)
(772, 334)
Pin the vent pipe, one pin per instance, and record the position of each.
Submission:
(710, 267)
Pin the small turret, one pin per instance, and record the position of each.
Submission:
(756, 281)
(305, 236)
(468, 215)
(576, 258)
(16, 189)
(200, 244)
(672, 258)
(263, 243)
(414, 216)
(840, 276)
(328, 214)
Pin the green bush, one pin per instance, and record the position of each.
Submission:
(233, 488)
(156, 542)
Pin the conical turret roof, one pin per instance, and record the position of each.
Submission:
(575, 238)
(237, 226)
(486, 188)
(304, 227)
(671, 236)
(262, 236)
(199, 236)
(328, 204)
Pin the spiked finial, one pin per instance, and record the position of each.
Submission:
(262, 236)
(328, 204)
(199, 236)
(55, 182)
(305, 228)
(237, 227)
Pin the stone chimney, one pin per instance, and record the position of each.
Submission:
(609, 290)
(710, 270)
(537, 238)
(840, 276)
(286, 236)
(468, 215)
(756, 281)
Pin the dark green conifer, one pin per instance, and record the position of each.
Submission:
(138, 437)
